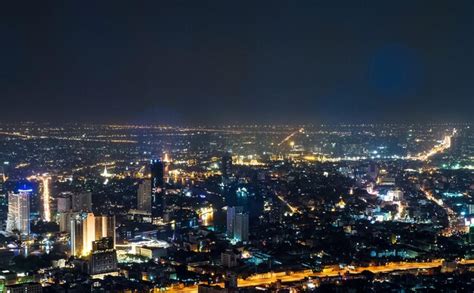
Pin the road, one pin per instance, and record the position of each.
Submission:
(269, 278)
(456, 223)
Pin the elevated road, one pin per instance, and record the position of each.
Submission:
(285, 277)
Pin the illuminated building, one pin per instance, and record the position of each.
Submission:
(18, 218)
(144, 196)
(237, 224)
(45, 197)
(226, 168)
(241, 227)
(30, 287)
(2, 180)
(231, 212)
(103, 258)
(87, 228)
(106, 173)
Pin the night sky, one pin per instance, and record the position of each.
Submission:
(206, 62)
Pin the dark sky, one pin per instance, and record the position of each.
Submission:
(219, 61)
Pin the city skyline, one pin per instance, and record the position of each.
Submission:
(237, 147)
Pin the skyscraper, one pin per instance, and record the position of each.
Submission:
(2, 181)
(81, 202)
(103, 259)
(241, 227)
(231, 213)
(18, 218)
(144, 196)
(64, 202)
(157, 175)
(226, 168)
(157, 185)
(87, 228)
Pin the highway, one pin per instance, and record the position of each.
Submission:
(271, 277)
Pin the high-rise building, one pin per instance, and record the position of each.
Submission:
(2, 181)
(226, 168)
(64, 202)
(158, 204)
(241, 227)
(144, 196)
(81, 202)
(157, 175)
(18, 218)
(230, 258)
(231, 213)
(65, 221)
(237, 224)
(87, 228)
(103, 259)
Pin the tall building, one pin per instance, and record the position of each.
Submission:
(144, 196)
(230, 258)
(87, 228)
(2, 181)
(158, 204)
(237, 224)
(157, 175)
(103, 259)
(226, 168)
(81, 202)
(241, 227)
(231, 213)
(64, 202)
(18, 218)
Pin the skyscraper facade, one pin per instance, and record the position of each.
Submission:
(87, 228)
(241, 227)
(82, 202)
(157, 175)
(103, 259)
(226, 168)
(144, 196)
(231, 216)
(157, 185)
(18, 218)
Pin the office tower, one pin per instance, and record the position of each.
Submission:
(157, 175)
(78, 237)
(241, 227)
(373, 171)
(231, 212)
(64, 202)
(276, 212)
(2, 181)
(81, 202)
(18, 218)
(157, 186)
(144, 196)
(226, 168)
(65, 221)
(103, 259)
(87, 228)
(45, 198)
(230, 258)
(471, 235)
